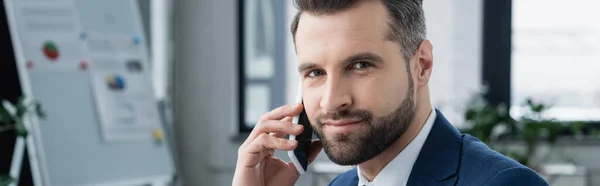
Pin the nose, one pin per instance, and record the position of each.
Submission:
(336, 96)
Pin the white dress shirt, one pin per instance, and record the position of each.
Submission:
(398, 170)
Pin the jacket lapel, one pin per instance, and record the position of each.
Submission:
(439, 159)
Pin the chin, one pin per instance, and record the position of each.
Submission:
(343, 149)
(343, 155)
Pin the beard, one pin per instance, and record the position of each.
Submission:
(364, 144)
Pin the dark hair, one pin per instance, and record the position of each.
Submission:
(406, 24)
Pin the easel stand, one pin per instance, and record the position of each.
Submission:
(17, 160)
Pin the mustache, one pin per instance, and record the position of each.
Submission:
(363, 115)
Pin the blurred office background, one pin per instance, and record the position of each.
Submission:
(217, 65)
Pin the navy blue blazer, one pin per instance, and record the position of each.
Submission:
(451, 158)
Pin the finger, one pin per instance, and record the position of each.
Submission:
(282, 112)
(315, 149)
(277, 114)
(255, 158)
(279, 128)
(288, 119)
(267, 142)
(280, 134)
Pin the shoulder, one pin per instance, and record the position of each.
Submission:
(349, 177)
(492, 167)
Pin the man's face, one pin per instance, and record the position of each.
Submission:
(358, 92)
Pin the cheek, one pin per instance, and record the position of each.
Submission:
(380, 95)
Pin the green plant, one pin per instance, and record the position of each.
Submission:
(485, 119)
(5, 180)
(488, 123)
(11, 118)
(533, 128)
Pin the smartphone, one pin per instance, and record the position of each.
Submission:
(299, 156)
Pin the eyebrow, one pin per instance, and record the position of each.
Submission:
(306, 66)
(364, 56)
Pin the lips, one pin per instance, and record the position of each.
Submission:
(343, 126)
(342, 122)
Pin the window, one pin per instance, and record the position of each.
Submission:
(556, 57)
(261, 53)
(547, 50)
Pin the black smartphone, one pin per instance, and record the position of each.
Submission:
(299, 156)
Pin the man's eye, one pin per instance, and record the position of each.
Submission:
(361, 65)
(314, 73)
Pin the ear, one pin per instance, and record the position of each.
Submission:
(424, 63)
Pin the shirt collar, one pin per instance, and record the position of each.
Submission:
(398, 170)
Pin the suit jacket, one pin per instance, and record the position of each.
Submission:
(451, 158)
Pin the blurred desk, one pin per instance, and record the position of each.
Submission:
(565, 174)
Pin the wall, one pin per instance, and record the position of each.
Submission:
(194, 93)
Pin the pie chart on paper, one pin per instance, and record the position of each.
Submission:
(115, 82)
(50, 50)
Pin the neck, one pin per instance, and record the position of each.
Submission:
(372, 167)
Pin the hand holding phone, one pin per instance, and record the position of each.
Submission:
(268, 135)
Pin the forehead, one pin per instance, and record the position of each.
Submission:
(362, 27)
